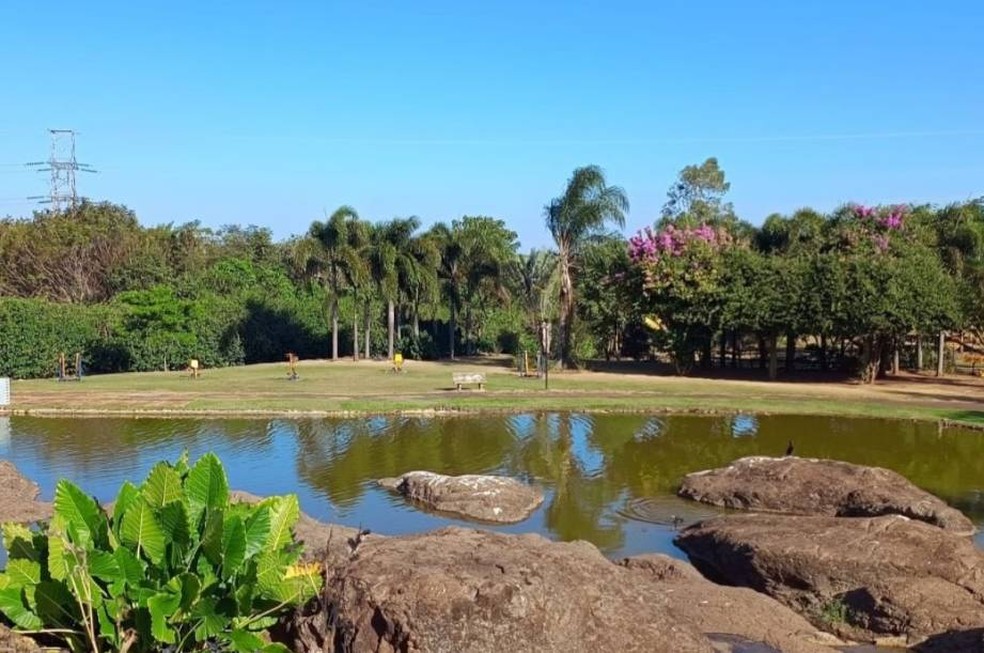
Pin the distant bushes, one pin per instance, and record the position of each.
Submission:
(146, 330)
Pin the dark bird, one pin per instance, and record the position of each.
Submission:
(354, 542)
(789, 448)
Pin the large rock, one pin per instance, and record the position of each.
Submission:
(808, 486)
(19, 497)
(466, 591)
(882, 578)
(738, 613)
(496, 499)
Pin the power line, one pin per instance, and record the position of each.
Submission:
(62, 165)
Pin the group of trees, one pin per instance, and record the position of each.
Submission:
(700, 286)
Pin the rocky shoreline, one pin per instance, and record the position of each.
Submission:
(789, 575)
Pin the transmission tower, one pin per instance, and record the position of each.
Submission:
(62, 166)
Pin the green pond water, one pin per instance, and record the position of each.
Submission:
(608, 479)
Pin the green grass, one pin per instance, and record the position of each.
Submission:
(368, 387)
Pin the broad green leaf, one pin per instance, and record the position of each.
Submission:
(80, 514)
(181, 464)
(132, 569)
(213, 622)
(105, 566)
(233, 546)
(163, 486)
(61, 560)
(244, 641)
(190, 589)
(206, 486)
(19, 542)
(55, 604)
(24, 573)
(107, 626)
(284, 512)
(212, 538)
(174, 521)
(124, 499)
(271, 571)
(257, 530)
(141, 530)
(14, 607)
(162, 607)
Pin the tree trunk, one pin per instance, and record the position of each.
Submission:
(355, 329)
(940, 351)
(469, 345)
(790, 351)
(416, 323)
(391, 325)
(919, 352)
(871, 359)
(895, 358)
(452, 327)
(723, 348)
(566, 310)
(334, 327)
(773, 357)
(368, 331)
(735, 349)
(763, 353)
(823, 352)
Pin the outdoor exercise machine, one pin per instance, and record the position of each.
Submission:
(397, 363)
(292, 367)
(194, 368)
(62, 371)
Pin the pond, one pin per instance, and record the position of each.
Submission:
(609, 479)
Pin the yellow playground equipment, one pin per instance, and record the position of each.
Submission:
(397, 363)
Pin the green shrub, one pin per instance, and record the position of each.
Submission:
(176, 565)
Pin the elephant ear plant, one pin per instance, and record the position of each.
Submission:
(176, 567)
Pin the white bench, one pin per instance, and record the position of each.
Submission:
(466, 378)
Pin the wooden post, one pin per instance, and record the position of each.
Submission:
(940, 351)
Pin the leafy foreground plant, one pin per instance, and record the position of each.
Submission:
(177, 567)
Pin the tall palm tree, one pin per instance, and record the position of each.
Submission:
(587, 205)
(532, 277)
(336, 255)
(393, 264)
(451, 271)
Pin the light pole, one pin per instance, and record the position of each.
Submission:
(545, 352)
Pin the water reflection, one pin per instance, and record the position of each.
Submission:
(744, 426)
(608, 479)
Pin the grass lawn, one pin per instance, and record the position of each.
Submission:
(369, 387)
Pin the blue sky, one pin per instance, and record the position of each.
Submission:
(269, 113)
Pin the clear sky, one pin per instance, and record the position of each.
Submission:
(268, 113)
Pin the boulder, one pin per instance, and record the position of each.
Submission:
(729, 614)
(472, 591)
(494, 499)
(887, 579)
(808, 486)
(19, 497)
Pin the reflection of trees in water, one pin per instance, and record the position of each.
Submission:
(590, 464)
(339, 457)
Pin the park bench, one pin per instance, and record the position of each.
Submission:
(468, 378)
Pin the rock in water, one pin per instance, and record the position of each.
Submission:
(466, 591)
(495, 499)
(808, 486)
(868, 578)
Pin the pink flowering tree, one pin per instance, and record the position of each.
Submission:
(682, 274)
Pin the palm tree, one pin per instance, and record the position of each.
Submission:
(532, 277)
(335, 253)
(393, 264)
(588, 203)
(451, 273)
